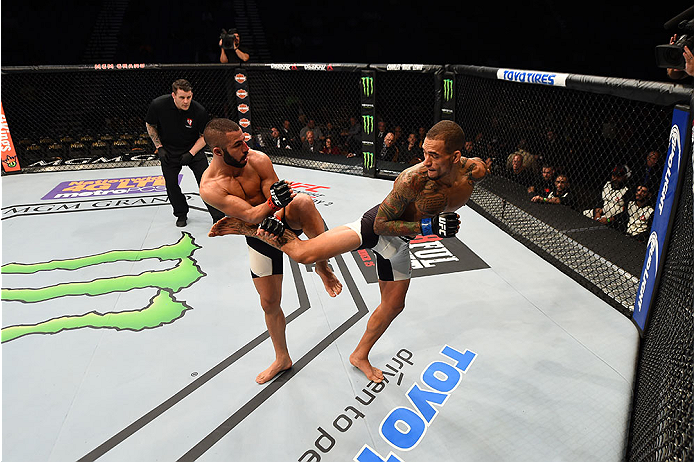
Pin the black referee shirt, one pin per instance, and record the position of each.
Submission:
(178, 130)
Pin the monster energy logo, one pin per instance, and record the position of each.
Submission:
(367, 86)
(162, 309)
(368, 122)
(448, 89)
(368, 160)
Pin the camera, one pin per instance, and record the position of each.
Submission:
(228, 39)
(670, 56)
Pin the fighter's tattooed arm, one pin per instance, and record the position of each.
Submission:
(475, 169)
(388, 222)
(154, 135)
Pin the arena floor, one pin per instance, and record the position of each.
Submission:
(125, 338)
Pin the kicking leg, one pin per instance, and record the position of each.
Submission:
(301, 213)
(326, 245)
(392, 303)
(270, 290)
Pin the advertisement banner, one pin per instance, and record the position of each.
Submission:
(243, 106)
(368, 113)
(10, 162)
(661, 218)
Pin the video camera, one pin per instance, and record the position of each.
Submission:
(670, 56)
(228, 39)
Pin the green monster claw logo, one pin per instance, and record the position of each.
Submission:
(368, 122)
(368, 160)
(367, 86)
(448, 89)
(10, 161)
(162, 309)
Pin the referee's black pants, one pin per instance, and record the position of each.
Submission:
(171, 168)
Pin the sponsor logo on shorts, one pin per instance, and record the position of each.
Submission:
(429, 255)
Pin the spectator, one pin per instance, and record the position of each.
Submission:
(380, 135)
(329, 148)
(399, 141)
(278, 140)
(652, 172)
(352, 137)
(311, 126)
(640, 214)
(311, 144)
(544, 183)
(411, 152)
(289, 134)
(332, 132)
(421, 134)
(528, 159)
(234, 54)
(613, 197)
(389, 151)
(518, 172)
(561, 194)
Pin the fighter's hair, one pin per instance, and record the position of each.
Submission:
(450, 132)
(216, 130)
(181, 84)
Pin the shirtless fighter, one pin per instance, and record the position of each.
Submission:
(423, 201)
(242, 183)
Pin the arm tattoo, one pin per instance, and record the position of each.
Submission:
(393, 206)
(153, 134)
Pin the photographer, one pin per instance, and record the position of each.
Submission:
(230, 41)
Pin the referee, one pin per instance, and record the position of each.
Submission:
(175, 124)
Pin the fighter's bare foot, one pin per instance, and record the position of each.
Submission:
(232, 225)
(274, 369)
(332, 285)
(372, 373)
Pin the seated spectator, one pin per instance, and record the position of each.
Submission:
(329, 149)
(639, 214)
(613, 197)
(389, 151)
(399, 140)
(311, 144)
(380, 135)
(289, 134)
(411, 153)
(311, 126)
(652, 171)
(278, 140)
(421, 134)
(528, 160)
(332, 132)
(560, 194)
(352, 137)
(544, 183)
(518, 173)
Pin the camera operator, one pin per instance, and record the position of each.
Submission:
(229, 42)
(677, 74)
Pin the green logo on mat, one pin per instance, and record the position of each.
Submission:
(448, 89)
(367, 86)
(162, 309)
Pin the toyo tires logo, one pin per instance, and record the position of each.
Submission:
(675, 150)
(161, 309)
(648, 274)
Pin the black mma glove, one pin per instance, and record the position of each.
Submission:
(444, 224)
(162, 153)
(186, 158)
(273, 226)
(280, 195)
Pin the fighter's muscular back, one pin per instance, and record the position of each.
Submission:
(234, 190)
(415, 196)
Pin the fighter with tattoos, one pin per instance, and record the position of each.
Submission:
(423, 201)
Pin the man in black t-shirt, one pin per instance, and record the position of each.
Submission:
(175, 124)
